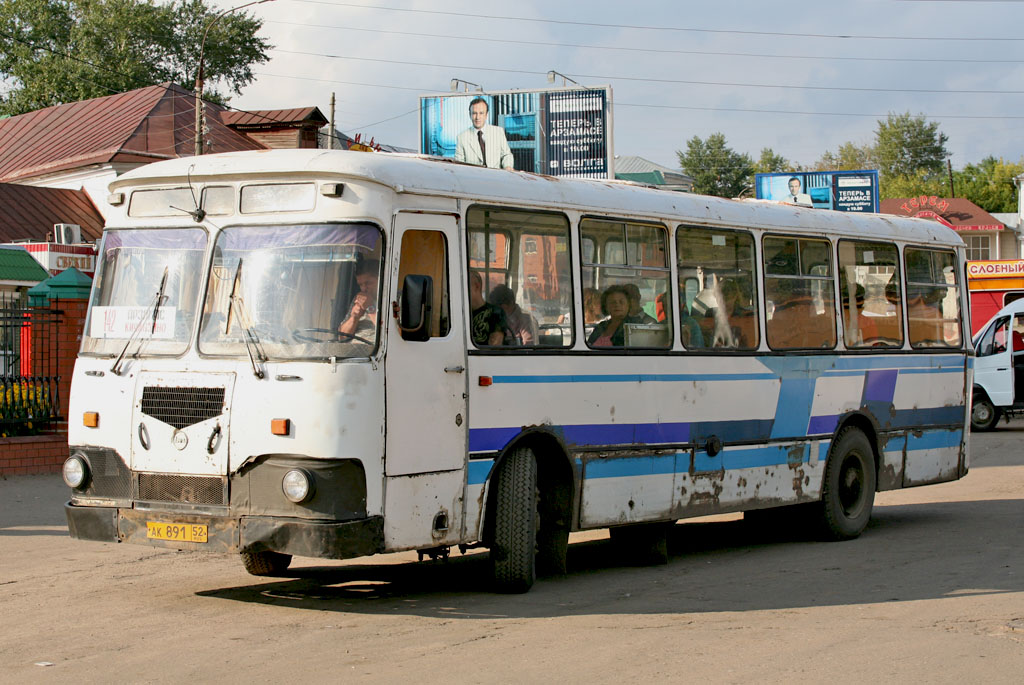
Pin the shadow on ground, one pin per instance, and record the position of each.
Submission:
(908, 552)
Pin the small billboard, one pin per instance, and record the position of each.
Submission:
(559, 131)
(843, 191)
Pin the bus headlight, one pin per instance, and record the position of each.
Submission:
(297, 485)
(75, 471)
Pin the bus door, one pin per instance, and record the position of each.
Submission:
(425, 388)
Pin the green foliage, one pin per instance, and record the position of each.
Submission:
(850, 157)
(921, 182)
(906, 145)
(769, 162)
(716, 168)
(989, 184)
(57, 51)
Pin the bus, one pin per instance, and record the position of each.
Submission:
(334, 354)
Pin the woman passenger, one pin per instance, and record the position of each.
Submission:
(610, 331)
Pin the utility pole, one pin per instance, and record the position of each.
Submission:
(199, 71)
(330, 131)
(949, 168)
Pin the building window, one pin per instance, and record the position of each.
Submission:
(979, 247)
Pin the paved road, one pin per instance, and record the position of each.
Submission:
(932, 592)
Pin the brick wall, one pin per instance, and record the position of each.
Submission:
(46, 453)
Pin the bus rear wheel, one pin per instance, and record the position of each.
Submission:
(514, 549)
(266, 563)
(848, 492)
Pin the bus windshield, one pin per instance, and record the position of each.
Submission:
(282, 292)
(147, 284)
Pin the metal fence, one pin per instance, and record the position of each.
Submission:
(29, 366)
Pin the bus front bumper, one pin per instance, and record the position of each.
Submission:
(298, 537)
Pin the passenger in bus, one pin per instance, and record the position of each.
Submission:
(610, 332)
(591, 305)
(635, 309)
(689, 330)
(362, 316)
(487, 322)
(523, 326)
(888, 325)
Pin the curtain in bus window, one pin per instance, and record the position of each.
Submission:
(799, 297)
(869, 288)
(933, 302)
(626, 293)
(717, 300)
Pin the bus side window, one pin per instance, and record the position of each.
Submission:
(933, 303)
(869, 288)
(426, 253)
(717, 304)
(798, 286)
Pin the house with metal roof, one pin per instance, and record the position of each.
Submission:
(640, 170)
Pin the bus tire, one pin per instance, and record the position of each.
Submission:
(983, 414)
(514, 550)
(266, 563)
(848, 492)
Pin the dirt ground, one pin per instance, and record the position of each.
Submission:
(932, 592)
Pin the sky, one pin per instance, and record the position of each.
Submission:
(800, 78)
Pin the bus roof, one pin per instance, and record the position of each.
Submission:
(424, 175)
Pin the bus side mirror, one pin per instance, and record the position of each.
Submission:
(414, 317)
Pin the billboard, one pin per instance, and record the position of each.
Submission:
(559, 131)
(843, 191)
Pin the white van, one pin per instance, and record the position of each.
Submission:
(999, 368)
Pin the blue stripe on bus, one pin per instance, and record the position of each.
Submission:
(636, 378)
(931, 440)
(727, 460)
(793, 408)
(482, 440)
(622, 467)
(477, 472)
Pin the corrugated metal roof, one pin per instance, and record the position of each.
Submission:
(143, 125)
(29, 212)
(18, 265)
(273, 117)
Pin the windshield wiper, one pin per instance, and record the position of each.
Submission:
(250, 339)
(116, 368)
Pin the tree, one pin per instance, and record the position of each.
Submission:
(57, 51)
(906, 145)
(920, 182)
(850, 157)
(989, 184)
(769, 162)
(716, 168)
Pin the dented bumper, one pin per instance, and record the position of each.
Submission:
(298, 537)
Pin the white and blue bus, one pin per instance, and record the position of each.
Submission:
(337, 354)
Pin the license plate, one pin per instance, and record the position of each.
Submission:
(176, 532)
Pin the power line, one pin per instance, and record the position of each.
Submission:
(653, 50)
(724, 84)
(752, 110)
(684, 29)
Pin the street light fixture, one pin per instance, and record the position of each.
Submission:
(199, 70)
(565, 79)
(465, 84)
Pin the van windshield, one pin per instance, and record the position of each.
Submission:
(293, 292)
(146, 289)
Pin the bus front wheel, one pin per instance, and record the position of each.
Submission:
(514, 549)
(848, 492)
(266, 563)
